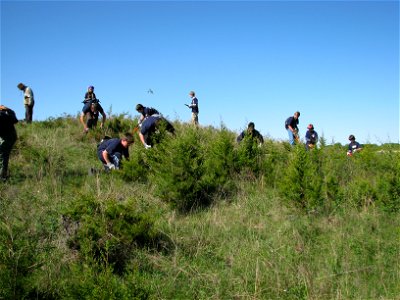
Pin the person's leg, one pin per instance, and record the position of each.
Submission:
(5, 150)
(30, 113)
(116, 159)
(26, 113)
(291, 137)
(195, 119)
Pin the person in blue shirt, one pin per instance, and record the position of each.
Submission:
(145, 112)
(311, 137)
(91, 112)
(194, 106)
(251, 132)
(150, 126)
(110, 151)
(90, 97)
(292, 128)
(353, 146)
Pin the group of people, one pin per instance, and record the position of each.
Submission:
(111, 150)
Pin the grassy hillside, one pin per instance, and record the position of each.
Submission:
(197, 217)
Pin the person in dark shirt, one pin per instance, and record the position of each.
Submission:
(292, 129)
(149, 127)
(110, 151)
(90, 97)
(251, 132)
(194, 106)
(92, 115)
(311, 137)
(353, 146)
(145, 112)
(8, 137)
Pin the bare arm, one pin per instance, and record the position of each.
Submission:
(105, 156)
(104, 119)
(83, 121)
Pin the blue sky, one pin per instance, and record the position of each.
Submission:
(337, 62)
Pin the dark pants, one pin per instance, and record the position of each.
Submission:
(6, 144)
(91, 121)
(28, 113)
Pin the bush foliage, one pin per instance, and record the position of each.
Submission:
(255, 221)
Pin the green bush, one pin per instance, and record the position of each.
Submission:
(302, 184)
(108, 232)
(179, 173)
(249, 157)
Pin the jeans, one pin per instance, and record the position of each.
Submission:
(291, 137)
(115, 158)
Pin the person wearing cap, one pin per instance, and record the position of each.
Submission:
(292, 129)
(194, 106)
(92, 112)
(110, 151)
(90, 97)
(252, 133)
(29, 101)
(353, 146)
(145, 112)
(311, 137)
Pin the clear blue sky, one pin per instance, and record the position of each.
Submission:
(336, 62)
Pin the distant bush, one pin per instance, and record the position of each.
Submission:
(119, 124)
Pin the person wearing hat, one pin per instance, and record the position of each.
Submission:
(292, 129)
(252, 133)
(92, 112)
(311, 137)
(90, 97)
(29, 101)
(353, 146)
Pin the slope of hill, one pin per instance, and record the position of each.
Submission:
(196, 217)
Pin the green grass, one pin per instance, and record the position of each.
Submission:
(263, 233)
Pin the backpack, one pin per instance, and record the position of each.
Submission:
(7, 116)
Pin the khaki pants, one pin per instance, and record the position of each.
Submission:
(195, 119)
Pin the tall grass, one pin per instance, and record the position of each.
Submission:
(197, 216)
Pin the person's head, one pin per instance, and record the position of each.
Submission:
(352, 138)
(127, 140)
(21, 86)
(250, 127)
(90, 88)
(93, 107)
(192, 94)
(296, 115)
(310, 127)
(139, 108)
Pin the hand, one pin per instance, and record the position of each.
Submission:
(101, 125)
(86, 130)
(111, 166)
(147, 146)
